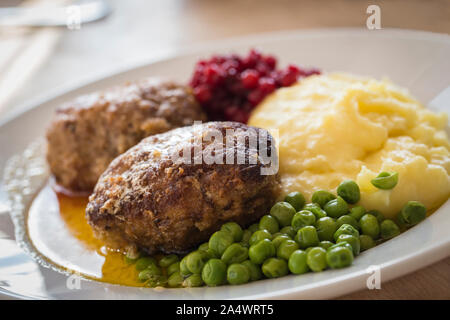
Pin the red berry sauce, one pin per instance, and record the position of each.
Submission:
(229, 86)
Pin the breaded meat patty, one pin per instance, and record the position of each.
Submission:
(86, 134)
(162, 196)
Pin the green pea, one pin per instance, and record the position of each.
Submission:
(156, 281)
(346, 229)
(128, 260)
(366, 242)
(152, 270)
(286, 248)
(211, 253)
(219, 241)
(184, 270)
(302, 219)
(401, 224)
(175, 280)
(194, 280)
(205, 254)
(316, 259)
(195, 261)
(342, 244)
(351, 240)
(234, 229)
(214, 272)
(254, 270)
(326, 227)
(357, 212)
(307, 237)
(279, 239)
(412, 213)
(259, 235)
(253, 228)
(144, 275)
(274, 268)
(377, 214)
(289, 230)
(234, 254)
(325, 244)
(203, 246)
(261, 251)
(347, 219)
(369, 225)
(131, 257)
(322, 197)
(297, 262)
(283, 212)
(339, 257)
(144, 263)
(246, 238)
(246, 234)
(349, 191)
(385, 180)
(238, 274)
(269, 223)
(277, 234)
(336, 208)
(296, 199)
(388, 229)
(310, 206)
(315, 209)
(168, 260)
(174, 267)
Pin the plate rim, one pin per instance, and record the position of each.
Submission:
(53, 94)
(80, 84)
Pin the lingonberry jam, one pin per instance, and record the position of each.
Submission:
(230, 86)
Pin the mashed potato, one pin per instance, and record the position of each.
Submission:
(336, 127)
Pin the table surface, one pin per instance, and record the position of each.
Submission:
(142, 30)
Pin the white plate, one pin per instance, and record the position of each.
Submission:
(417, 60)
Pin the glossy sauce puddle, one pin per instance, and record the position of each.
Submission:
(59, 231)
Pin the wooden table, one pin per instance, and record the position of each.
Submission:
(142, 30)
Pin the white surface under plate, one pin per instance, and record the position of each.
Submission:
(416, 60)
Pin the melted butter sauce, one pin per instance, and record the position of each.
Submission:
(59, 231)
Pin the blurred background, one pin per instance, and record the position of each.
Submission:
(37, 58)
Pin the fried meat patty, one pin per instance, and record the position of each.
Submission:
(148, 200)
(86, 134)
